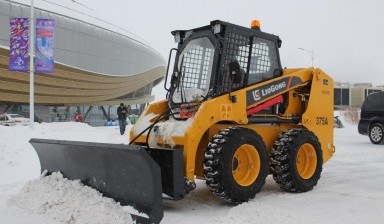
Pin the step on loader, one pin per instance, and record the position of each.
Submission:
(231, 117)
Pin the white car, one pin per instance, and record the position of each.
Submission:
(13, 119)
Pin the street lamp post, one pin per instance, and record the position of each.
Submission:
(31, 67)
(309, 51)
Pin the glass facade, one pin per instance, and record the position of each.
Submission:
(89, 47)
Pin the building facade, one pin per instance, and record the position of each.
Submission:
(348, 95)
(94, 66)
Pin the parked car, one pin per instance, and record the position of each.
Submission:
(13, 119)
(372, 118)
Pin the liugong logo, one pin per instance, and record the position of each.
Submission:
(257, 94)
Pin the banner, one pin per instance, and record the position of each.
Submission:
(45, 29)
(18, 48)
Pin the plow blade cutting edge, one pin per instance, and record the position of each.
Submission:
(123, 172)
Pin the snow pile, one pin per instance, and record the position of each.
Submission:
(348, 117)
(166, 130)
(172, 128)
(69, 202)
(62, 200)
(18, 159)
(9, 150)
(75, 131)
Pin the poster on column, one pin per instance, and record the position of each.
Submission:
(18, 48)
(45, 29)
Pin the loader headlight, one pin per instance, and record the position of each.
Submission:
(217, 28)
(177, 37)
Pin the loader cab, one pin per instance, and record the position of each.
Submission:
(193, 67)
(219, 58)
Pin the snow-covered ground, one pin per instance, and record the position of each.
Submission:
(349, 191)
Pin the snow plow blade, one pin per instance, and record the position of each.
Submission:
(123, 172)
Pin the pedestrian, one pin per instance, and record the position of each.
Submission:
(122, 117)
(78, 117)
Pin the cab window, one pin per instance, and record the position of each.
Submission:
(263, 63)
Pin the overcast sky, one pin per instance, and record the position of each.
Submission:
(345, 35)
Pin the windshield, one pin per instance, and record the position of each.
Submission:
(195, 67)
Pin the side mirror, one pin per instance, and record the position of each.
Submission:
(234, 72)
(169, 62)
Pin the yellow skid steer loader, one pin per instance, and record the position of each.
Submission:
(232, 116)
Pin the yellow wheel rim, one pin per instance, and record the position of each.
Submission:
(306, 161)
(246, 165)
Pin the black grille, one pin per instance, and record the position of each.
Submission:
(195, 67)
(263, 61)
(237, 50)
(256, 56)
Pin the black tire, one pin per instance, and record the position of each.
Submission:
(294, 167)
(231, 150)
(376, 133)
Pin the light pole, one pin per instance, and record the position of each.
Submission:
(309, 51)
(31, 67)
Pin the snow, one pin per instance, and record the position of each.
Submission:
(68, 201)
(166, 130)
(349, 191)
